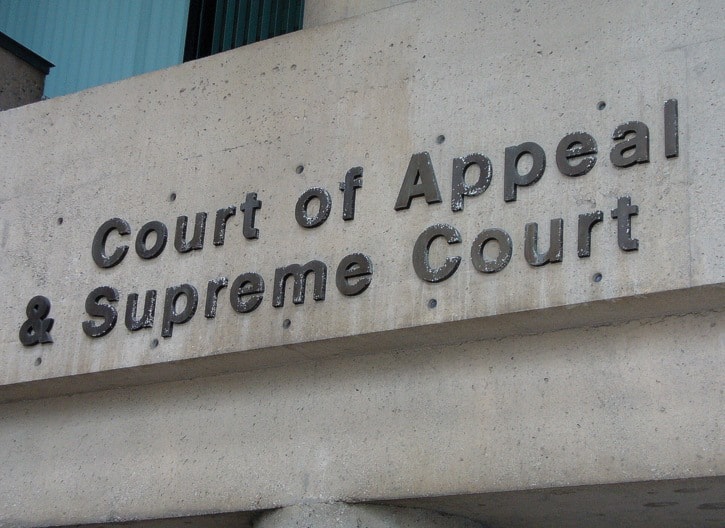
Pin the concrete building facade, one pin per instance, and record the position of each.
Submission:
(23, 74)
(426, 263)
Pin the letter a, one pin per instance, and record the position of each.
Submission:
(420, 180)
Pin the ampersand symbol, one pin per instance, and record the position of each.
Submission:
(37, 328)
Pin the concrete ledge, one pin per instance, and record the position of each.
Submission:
(672, 503)
(680, 503)
(675, 302)
(212, 520)
(340, 515)
(319, 12)
(212, 131)
(585, 372)
(637, 401)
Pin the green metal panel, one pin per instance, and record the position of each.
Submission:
(264, 21)
(280, 16)
(218, 34)
(221, 25)
(253, 22)
(230, 18)
(93, 42)
(239, 24)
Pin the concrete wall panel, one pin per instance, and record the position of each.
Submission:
(639, 401)
(21, 83)
(370, 92)
(319, 12)
(596, 370)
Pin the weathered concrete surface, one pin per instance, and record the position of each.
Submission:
(570, 374)
(20, 83)
(367, 91)
(359, 516)
(671, 503)
(640, 401)
(214, 520)
(517, 323)
(319, 12)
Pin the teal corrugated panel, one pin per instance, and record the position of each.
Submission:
(93, 42)
(166, 14)
(265, 19)
(253, 30)
(143, 24)
(283, 9)
(230, 13)
(240, 25)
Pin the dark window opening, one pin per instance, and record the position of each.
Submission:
(220, 25)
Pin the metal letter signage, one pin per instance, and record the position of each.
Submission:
(433, 261)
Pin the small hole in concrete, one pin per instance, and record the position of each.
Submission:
(38, 361)
(601, 105)
(440, 139)
(597, 277)
(172, 197)
(154, 343)
(286, 323)
(300, 169)
(60, 220)
(432, 303)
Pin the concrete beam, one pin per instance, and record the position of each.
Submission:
(639, 401)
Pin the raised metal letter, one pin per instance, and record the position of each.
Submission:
(584, 239)
(573, 146)
(556, 243)
(299, 273)
(505, 249)
(511, 177)
(355, 265)
(197, 241)
(160, 243)
(353, 180)
(220, 226)
(212, 293)
(459, 186)
(301, 208)
(420, 180)
(638, 144)
(171, 316)
(36, 329)
(95, 309)
(249, 208)
(421, 251)
(98, 249)
(623, 213)
(249, 285)
(149, 307)
(672, 142)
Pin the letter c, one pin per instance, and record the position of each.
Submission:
(421, 263)
(98, 249)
